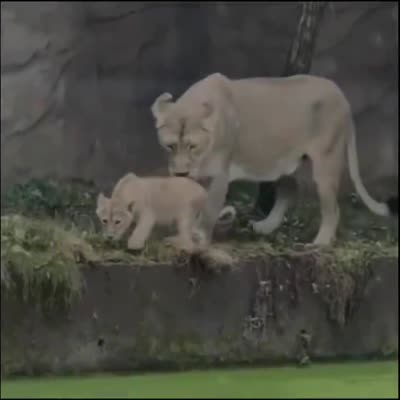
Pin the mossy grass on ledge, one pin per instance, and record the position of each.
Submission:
(40, 260)
(49, 230)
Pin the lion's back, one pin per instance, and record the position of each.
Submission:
(280, 118)
(295, 88)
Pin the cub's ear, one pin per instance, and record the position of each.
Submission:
(102, 200)
(160, 106)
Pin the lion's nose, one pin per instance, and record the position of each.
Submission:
(183, 174)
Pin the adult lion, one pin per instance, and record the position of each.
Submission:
(260, 129)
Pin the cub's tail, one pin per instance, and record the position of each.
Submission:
(379, 208)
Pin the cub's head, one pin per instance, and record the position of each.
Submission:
(115, 218)
(187, 133)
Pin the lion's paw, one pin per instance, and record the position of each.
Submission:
(227, 216)
(261, 228)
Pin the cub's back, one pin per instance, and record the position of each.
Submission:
(174, 191)
(188, 185)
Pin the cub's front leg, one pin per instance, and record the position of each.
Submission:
(185, 224)
(142, 231)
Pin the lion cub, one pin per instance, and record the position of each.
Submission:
(150, 201)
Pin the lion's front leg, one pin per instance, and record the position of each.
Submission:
(216, 199)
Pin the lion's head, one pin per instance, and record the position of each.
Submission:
(190, 128)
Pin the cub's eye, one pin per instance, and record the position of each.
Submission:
(191, 146)
(117, 222)
(104, 221)
(171, 147)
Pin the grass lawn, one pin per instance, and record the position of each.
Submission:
(354, 380)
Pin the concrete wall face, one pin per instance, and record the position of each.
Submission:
(78, 78)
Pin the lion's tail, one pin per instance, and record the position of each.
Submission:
(376, 207)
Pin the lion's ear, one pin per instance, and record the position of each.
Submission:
(130, 206)
(160, 106)
(208, 115)
(208, 108)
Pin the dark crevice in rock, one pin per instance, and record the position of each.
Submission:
(28, 62)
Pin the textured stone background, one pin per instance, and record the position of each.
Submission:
(78, 78)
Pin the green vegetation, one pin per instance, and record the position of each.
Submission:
(40, 260)
(349, 380)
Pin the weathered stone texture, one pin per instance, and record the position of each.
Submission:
(155, 316)
(78, 78)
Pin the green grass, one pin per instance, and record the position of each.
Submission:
(354, 380)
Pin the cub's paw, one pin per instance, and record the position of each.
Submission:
(199, 237)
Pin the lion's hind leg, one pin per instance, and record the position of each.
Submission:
(327, 170)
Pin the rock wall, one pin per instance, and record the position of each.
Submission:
(158, 317)
(358, 49)
(78, 78)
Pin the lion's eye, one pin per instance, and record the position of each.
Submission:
(104, 221)
(117, 221)
(192, 146)
(171, 147)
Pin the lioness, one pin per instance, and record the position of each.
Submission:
(151, 201)
(260, 129)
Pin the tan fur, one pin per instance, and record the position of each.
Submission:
(151, 201)
(260, 129)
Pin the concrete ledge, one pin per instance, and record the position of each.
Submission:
(160, 317)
